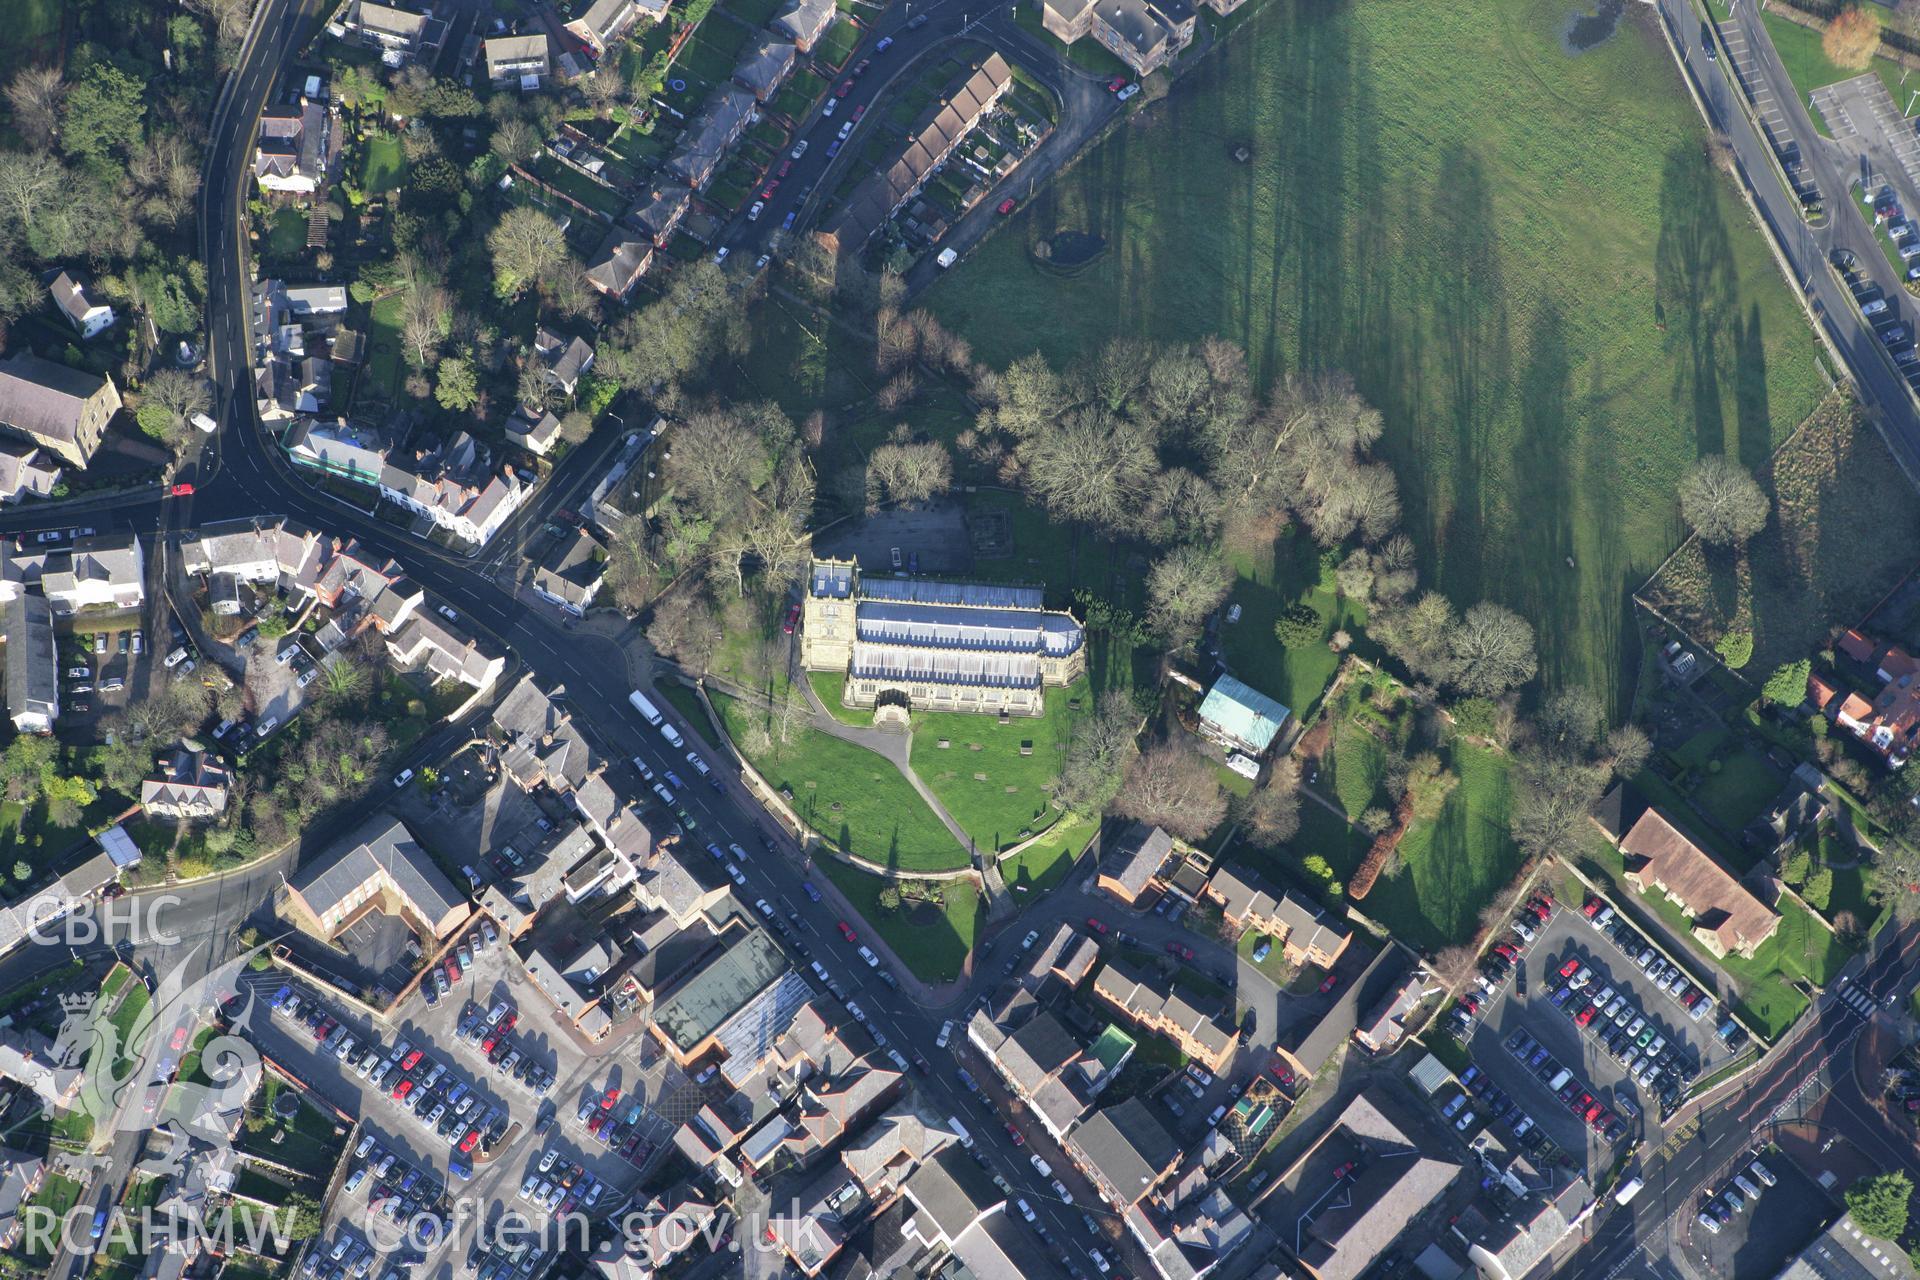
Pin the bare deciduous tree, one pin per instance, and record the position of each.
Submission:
(1183, 587)
(426, 320)
(902, 471)
(1097, 755)
(1721, 502)
(685, 627)
(1492, 650)
(28, 181)
(34, 94)
(1172, 787)
(526, 244)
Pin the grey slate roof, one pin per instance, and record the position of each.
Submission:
(43, 398)
(1127, 1146)
(1135, 856)
(381, 842)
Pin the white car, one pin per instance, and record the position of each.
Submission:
(736, 851)
(759, 207)
(1123, 95)
(832, 105)
(946, 1034)
(447, 613)
(736, 875)
(720, 254)
(799, 150)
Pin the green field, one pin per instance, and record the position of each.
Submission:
(1521, 257)
(385, 168)
(1045, 863)
(932, 941)
(1809, 68)
(856, 800)
(996, 794)
(1450, 868)
(687, 703)
(1282, 573)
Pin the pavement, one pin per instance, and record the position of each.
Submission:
(1805, 249)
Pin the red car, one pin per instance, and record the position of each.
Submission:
(766, 192)
(859, 111)
(1333, 980)
(179, 1039)
(846, 87)
(325, 1029)
(1344, 1170)
(1018, 1139)
(793, 620)
(402, 1089)
(1180, 949)
(595, 1125)
(1470, 1002)
(1116, 84)
(1594, 1114)
(1506, 951)
(486, 1046)
(846, 931)
(411, 1061)
(1570, 968)
(1591, 908)
(507, 1023)
(786, 167)
(471, 1141)
(182, 490)
(1096, 924)
(612, 1096)
(1584, 1016)
(1006, 206)
(453, 969)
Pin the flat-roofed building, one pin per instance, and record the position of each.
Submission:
(688, 1018)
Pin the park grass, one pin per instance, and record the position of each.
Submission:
(1269, 578)
(1844, 531)
(1010, 802)
(687, 703)
(1449, 869)
(385, 166)
(856, 800)
(739, 655)
(829, 686)
(1042, 865)
(58, 1194)
(933, 945)
(1518, 256)
(1809, 67)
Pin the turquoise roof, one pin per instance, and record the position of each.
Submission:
(1242, 712)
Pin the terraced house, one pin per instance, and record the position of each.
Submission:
(935, 644)
(1189, 1019)
(1726, 915)
(1305, 933)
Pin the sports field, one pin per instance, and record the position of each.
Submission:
(1523, 258)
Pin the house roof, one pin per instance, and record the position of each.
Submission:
(764, 64)
(708, 137)
(513, 50)
(572, 570)
(380, 17)
(566, 357)
(33, 673)
(24, 468)
(43, 398)
(1183, 1007)
(1136, 856)
(621, 258)
(1659, 853)
(110, 558)
(660, 209)
(605, 16)
(951, 1192)
(1337, 1024)
(1127, 1146)
(71, 297)
(1242, 713)
(1856, 645)
(804, 20)
(380, 844)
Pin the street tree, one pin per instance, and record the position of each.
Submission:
(1852, 38)
(1720, 501)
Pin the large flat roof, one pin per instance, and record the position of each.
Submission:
(701, 1004)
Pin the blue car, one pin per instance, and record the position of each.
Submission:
(811, 891)
(1561, 997)
(433, 996)
(461, 1168)
(833, 148)
(787, 223)
(280, 996)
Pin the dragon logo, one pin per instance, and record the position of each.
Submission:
(129, 1079)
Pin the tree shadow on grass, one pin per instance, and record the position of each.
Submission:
(1695, 295)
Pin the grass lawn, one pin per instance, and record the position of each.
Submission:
(385, 168)
(829, 687)
(190, 1072)
(997, 794)
(932, 941)
(852, 797)
(1045, 863)
(1270, 578)
(311, 1146)
(57, 1194)
(1451, 867)
(382, 376)
(1809, 67)
(837, 44)
(755, 13)
(1740, 792)
(753, 655)
(1275, 966)
(687, 703)
(286, 234)
(1843, 533)
(1512, 381)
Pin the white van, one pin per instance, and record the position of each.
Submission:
(672, 735)
(1628, 1190)
(966, 1139)
(1560, 1079)
(946, 259)
(642, 704)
